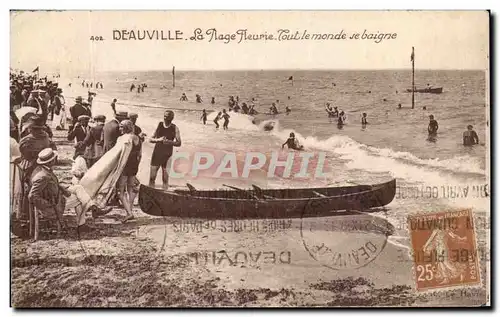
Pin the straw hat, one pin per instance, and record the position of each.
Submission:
(46, 156)
(83, 117)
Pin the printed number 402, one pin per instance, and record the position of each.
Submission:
(96, 38)
(426, 274)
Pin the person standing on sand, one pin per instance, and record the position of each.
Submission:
(137, 130)
(94, 141)
(165, 137)
(80, 108)
(127, 185)
(111, 130)
(216, 120)
(59, 122)
(204, 117)
(113, 106)
(79, 133)
(226, 117)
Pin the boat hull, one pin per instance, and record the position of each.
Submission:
(249, 204)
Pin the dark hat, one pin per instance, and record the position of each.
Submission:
(122, 114)
(133, 115)
(36, 121)
(79, 98)
(59, 90)
(100, 117)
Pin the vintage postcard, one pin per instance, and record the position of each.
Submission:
(250, 158)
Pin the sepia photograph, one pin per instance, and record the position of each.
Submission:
(216, 159)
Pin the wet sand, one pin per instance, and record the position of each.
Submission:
(155, 261)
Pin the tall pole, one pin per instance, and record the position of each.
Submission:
(173, 76)
(412, 77)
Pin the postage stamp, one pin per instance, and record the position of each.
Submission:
(444, 250)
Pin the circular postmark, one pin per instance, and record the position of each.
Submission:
(343, 241)
(107, 238)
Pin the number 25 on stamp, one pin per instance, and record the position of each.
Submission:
(444, 250)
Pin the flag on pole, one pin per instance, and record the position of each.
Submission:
(412, 57)
(173, 71)
(36, 69)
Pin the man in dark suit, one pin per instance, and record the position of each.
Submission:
(46, 196)
(79, 109)
(111, 130)
(94, 141)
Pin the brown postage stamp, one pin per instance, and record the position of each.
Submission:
(444, 250)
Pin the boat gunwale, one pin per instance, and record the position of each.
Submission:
(376, 187)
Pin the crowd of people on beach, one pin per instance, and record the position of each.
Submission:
(34, 102)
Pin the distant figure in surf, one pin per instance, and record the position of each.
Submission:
(198, 99)
(424, 108)
(292, 143)
(273, 109)
(139, 89)
(204, 116)
(91, 85)
(470, 136)
(213, 101)
(87, 84)
(132, 87)
(399, 106)
(184, 97)
(329, 110)
(216, 120)
(288, 110)
(363, 119)
(244, 108)
(433, 126)
(226, 117)
(252, 111)
(236, 108)
(289, 98)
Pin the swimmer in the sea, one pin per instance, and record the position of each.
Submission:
(470, 136)
(292, 143)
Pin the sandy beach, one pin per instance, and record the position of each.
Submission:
(155, 261)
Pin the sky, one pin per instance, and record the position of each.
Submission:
(60, 41)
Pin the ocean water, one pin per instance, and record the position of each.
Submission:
(430, 174)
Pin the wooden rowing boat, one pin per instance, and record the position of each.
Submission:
(264, 203)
